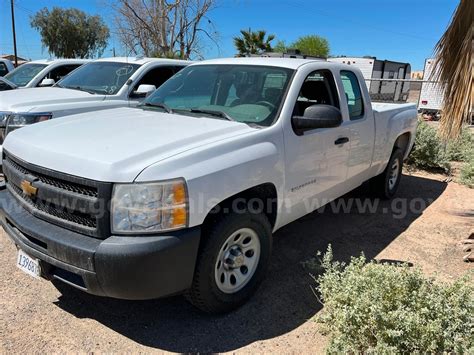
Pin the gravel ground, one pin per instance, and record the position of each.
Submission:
(35, 316)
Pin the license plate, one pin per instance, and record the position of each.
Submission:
(28, 264)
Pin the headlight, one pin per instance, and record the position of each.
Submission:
(149, 207)
(18, 120)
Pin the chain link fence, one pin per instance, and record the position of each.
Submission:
(397, 90)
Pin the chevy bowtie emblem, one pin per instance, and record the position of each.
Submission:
(28, 189)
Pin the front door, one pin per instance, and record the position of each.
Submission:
(316, 162)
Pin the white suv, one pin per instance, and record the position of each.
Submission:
(102, 84)
(41, 73)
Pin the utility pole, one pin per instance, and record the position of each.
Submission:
(14, 34)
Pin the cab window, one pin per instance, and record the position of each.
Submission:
(319, 88)
(61, 71)
(353, 94)
(156, 76)
(3, 69)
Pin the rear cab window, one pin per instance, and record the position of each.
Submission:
(353, 93)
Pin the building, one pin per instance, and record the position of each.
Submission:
(11, 57)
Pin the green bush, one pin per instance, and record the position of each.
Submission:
(429, 151)
(467, 174)
(381, 308)
(461, 149)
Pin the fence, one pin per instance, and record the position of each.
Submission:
(426, 94)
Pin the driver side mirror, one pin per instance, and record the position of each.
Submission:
(47, 82)
(144, 90)
(317, 116)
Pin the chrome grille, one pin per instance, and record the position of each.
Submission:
(62, 199)
(56, 211)
(69, 186)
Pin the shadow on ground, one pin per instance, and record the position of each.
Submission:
(284, 301)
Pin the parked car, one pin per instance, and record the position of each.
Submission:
(41, 73)
(104, 83)
(6, 66)
(197, 178)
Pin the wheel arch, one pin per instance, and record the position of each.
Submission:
(266, 193)
(403, 143)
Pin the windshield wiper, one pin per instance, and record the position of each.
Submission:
(158, 104)
(79, 88)
(221, 114)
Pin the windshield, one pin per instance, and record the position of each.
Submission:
(243, 93)
(99, 77)
(22, 75)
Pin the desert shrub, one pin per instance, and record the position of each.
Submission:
(429, 151)
(467, 174)
(382, 308)
(461, 149)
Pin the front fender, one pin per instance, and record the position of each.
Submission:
(215, 173)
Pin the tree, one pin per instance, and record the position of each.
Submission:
(453, 68)
(312, 45)
(71, 33)
(253, 42)
(160, 28)
(280, 47)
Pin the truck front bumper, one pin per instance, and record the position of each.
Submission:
(134, 268)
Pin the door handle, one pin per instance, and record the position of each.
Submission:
(341, 140)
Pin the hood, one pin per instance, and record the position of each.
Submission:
(36, 98)
(115, 145)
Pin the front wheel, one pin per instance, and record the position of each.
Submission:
(386, 184)
(232, 261)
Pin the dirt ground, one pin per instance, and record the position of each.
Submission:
(37, 317)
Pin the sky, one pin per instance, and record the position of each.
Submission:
(401, 30)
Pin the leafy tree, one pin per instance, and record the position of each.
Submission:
(280, 47)
(253, 42)
(71, 33)
(312, 45)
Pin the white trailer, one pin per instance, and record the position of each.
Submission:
(387, 90)
(431, 95)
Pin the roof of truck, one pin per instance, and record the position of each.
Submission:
(54, 61)
(290, 63)
(141, 60)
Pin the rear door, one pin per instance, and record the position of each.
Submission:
(360, 123)
(316, 162)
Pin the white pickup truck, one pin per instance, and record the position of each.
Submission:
(104, 83)
(182, 194)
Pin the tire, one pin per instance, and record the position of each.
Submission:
(386, 184)
(210, 291)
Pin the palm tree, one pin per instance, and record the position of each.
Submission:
(454, 69)
(253, 42)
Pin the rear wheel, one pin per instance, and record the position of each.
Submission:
(386, 184)
(232, 261)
